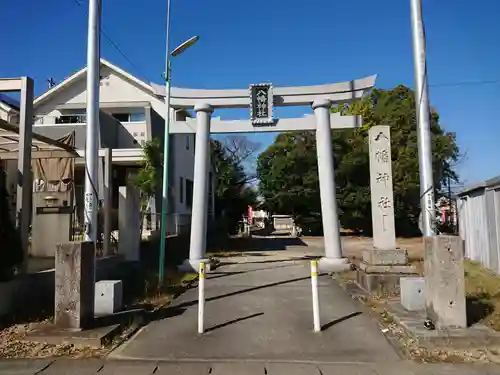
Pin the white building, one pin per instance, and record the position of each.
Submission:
(9, 109)
(131, 113)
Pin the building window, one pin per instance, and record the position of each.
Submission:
(181, 189)
(189, 193)
(142, 134)
(134, 134)
(187, 142)
(122, 117)
(71, 119)
(137, 117)
(130, 117)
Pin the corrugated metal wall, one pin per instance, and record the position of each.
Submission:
(479, 225)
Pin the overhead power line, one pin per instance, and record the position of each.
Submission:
(110, 40)
(115, 45)
(467, 83)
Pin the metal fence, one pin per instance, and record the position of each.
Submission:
(479, 222)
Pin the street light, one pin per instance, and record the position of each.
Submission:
(164, 204)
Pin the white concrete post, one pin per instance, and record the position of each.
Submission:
(315, 296)
(201, 298)
(92, 128)
(200, 190)
(333, 260)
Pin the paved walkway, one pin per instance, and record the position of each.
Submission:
(259, 321)
(101, 367)
(261, 310)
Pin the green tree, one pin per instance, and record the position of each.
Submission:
(149, 176)
(233, 191)
(288, 174)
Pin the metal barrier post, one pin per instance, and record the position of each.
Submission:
(201, 297)
(315, 297)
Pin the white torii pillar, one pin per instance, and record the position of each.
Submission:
(197, 246)
(333, 261)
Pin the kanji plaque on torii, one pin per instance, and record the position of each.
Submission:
(261, 104)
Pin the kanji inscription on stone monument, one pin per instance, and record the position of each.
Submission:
(384, 234)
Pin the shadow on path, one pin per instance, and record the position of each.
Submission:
(222, 325)
(271, 243)
(217, 275)
(191, 303)
(305, 257)
(324, 327)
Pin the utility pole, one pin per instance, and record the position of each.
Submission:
(166, 150)
(423, 120)
(92, 134)
(166, 141)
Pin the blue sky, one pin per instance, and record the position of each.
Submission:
(286, 42)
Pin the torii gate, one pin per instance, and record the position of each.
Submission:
(260, 99)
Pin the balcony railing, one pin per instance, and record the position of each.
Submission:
(64, 119)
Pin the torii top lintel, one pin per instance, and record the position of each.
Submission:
(341, 92)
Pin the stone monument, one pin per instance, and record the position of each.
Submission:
(384, 264)
(445, 282)
(74, 285)
(129, 223)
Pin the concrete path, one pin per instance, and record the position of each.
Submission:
(102, 367)
(261, 310)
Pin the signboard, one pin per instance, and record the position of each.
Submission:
(261, 104)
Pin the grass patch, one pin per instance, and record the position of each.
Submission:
(483, 306)
(483, 295)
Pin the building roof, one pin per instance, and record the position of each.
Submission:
(82, 72)
(9, 103)
(487, 184)
(149, 87)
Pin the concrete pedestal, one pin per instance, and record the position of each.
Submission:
(445, 281)
(74, 285)
(412, 293)
(193, 265)
(333, 265)
(108, 297)
(381, 270)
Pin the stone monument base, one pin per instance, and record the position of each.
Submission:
(333, 265)
(380, 270)
(193, 265)
(475, 336)
(92, 337)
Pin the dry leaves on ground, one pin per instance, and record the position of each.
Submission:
(408, 345)
(12, 345)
